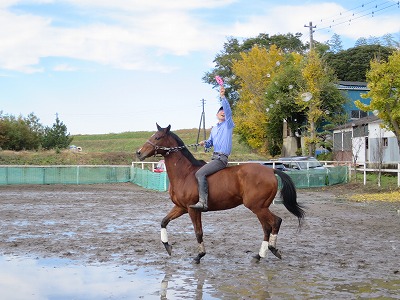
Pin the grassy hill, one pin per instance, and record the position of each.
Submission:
(115, 149)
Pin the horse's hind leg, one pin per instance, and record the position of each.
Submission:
(195, 216)
(175, 212)
(270, 224)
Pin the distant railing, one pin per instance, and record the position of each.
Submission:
(62, 174)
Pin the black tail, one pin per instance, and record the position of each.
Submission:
(289, 195)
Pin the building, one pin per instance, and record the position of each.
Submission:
(363, 140)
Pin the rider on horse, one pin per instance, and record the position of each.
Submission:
(221, 139)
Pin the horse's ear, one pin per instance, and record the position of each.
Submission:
(158, 127)
(167, 129)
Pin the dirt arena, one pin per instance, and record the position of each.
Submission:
(345, 250)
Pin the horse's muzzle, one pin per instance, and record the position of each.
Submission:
(139, 155)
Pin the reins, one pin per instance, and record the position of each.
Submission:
(170, 149)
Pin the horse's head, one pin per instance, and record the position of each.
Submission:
(156, 144)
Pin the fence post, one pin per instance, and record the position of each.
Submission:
(365, 173)
(398, 175)
(349, 167)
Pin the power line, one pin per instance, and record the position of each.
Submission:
(349, 16)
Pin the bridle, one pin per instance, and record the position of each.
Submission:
(169, 149)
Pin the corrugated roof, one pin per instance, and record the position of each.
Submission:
(352, 85)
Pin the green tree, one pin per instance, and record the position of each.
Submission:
(281, 104)
(352, 64)
(384, 84)
(20, 133)
(56, 137)
(231, 53)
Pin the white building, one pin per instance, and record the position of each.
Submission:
(364, 140)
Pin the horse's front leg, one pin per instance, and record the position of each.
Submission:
(195, 216)
(175, 212)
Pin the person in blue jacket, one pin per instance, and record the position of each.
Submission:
(221, 139)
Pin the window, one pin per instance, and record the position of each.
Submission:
(357, 114)
(385, 142)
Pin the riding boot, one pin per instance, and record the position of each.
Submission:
(202, 205)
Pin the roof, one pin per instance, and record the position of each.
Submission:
(352, 85)
(362, 121)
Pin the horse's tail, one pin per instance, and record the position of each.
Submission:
(289, 195)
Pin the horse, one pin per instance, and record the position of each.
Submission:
(250, 184)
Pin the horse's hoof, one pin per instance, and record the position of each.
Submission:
(276, 252)
(168, 247)
(196, 260)
(256, 258)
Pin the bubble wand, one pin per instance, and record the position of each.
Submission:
(219, 80)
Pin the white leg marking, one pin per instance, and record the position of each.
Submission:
(202, 249)
(263, 249)
(164, 235)
(272, 240)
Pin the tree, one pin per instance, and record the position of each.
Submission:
(352, 64)
(362, 41)
(281, 104)
(335, 44)
(56, 137)
(320, 99)
(389, 41)
(20, 133)
(384, 83)
(231, 53)
(254, 71)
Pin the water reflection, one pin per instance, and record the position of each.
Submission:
(56, 278)
(28, 278)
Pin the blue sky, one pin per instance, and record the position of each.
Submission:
(110, 66)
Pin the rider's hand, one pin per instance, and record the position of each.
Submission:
(222, 92)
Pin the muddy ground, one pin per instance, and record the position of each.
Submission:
(344, 250)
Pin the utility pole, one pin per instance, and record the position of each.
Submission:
(311, 27)
(202, 119)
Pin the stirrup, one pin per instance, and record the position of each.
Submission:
(200, 206)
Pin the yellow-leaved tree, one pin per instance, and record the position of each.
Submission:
(384, 83)
(316, 76)
(254, 72)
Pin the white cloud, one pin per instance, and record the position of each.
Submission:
(132, 40)
(139, 34)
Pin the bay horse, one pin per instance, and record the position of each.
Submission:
(250, 184)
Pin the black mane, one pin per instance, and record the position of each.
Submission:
(186, 152)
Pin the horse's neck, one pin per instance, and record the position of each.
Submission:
(178, 166)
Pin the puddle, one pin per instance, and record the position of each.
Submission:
(55, 278)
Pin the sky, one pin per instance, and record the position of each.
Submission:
(111, 66)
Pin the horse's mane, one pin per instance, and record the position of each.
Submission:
(186, 152)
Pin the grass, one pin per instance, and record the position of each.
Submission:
(115, 149)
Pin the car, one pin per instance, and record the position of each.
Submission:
(271, 164)
(301, 163)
